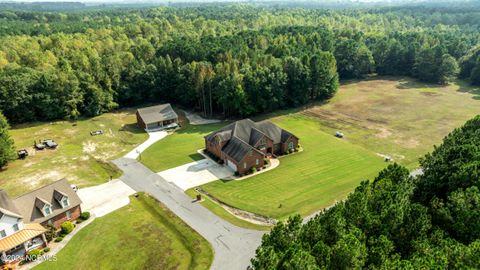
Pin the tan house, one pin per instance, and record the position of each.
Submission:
(157, 117)
(244, 144)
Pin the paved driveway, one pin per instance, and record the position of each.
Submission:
(195, 174)
(105, 198)
(233, 246)
(153, 137)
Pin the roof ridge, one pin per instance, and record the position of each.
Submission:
(247, 144)
(37, 189)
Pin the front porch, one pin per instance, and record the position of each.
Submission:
(14, 247)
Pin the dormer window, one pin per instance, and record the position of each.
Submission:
(3, 234)
(61, 198)
(47, 210)
(65, 202)
(15, 227)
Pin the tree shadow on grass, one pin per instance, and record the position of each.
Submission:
(471, 89)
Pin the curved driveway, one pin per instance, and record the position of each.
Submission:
(233, 246)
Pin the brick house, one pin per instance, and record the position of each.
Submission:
(50, 205)
(244, 144)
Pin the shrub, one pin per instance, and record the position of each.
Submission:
(50, 233)
(78, 221)
(59, 239)
(33, 254)
(47, 249)
(253, 170)
(85, 215)
(265, 161)
(67, 227)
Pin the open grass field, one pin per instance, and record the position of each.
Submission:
(326, 171)
(80, 157)
(398, 117)
(142, 235)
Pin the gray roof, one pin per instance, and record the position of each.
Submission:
(243, 133)
(28, 203)
(238, 149)
(7, 207)
(243, 130)
(157, 113)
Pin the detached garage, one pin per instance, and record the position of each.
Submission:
(157, 117)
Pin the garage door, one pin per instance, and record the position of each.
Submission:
(231, 165)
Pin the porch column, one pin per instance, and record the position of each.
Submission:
(44, 239)
(4, 256)
(25, 246)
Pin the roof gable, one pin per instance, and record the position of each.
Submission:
(157, 113)
(7, 207)
(30, 205)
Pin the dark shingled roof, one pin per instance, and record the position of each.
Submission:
(238, 149)
(27, 204)
(7, 207)
(157, 113)
(243, 133)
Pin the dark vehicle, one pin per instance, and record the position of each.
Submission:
(22, 154)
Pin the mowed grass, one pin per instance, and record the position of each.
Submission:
(81, 158)
(179, 148)
(325, 172)
(398, 117)
(142, 235)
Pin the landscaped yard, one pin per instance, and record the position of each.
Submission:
(80, 157)
(398, 117)
(142, 235)
(326, 171)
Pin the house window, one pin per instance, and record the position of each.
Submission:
(69, 215)
(290, 145)
(257, 162)
(65, 202)
(3, 233)
(15, 227)
(47, 211)
(244, 165)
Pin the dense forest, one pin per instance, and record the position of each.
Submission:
(395, 221)
(235, 60)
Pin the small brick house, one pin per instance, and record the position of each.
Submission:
(244, 144)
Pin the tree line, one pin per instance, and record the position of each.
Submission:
(395, 221)
(234, 60)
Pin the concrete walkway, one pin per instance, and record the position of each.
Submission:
(153, 137)
(233, 246)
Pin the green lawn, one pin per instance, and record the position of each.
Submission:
(142, 235)
(179, 148)
(81, 158)
(325, 172)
